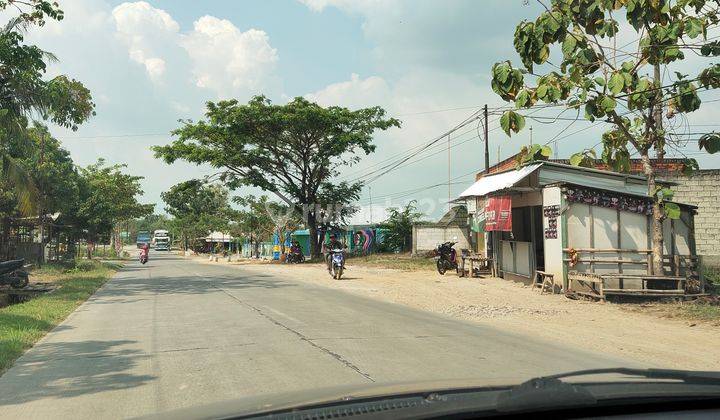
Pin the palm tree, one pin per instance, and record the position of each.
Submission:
(25, 95)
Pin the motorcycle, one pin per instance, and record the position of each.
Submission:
(13, 273)
(446, 257)
(337, 263)
(143, 257)
(295, 256)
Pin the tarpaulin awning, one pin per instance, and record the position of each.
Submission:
(219, 237)
(492, 183)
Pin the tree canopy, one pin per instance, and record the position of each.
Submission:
(294, 150)
(26, 94)
(107, 197)
(619, 86)
(198, 208)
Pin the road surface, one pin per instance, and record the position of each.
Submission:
(177, 333)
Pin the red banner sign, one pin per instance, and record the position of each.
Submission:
(498, 214)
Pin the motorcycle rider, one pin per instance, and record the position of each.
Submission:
(295, 251)
(145, 251)
(333, 244)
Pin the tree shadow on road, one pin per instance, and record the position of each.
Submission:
(128, 288)
(68, 369)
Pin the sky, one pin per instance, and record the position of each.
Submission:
(150, 64)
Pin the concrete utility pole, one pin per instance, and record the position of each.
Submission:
(487, 142)
(448, 147)
(371, 204)
(531, 143)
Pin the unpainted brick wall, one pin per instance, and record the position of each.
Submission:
(702, 190)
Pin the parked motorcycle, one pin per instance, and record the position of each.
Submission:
(446, 257)
(337, 263)
(295, 256)
(13, 273)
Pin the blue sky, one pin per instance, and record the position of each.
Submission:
(149, 64)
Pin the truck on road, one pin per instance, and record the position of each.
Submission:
(143, 237)
(161, 240)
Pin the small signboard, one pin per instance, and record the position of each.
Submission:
(498, 214)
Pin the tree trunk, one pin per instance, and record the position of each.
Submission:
(657, 217)
(314, 242)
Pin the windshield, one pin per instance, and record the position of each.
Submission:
(304, 201)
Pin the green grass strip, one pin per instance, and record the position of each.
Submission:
(22, 325)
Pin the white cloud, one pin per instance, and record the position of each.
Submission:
(148, 32)
(216, 55)
(355, 92)
(225, 59)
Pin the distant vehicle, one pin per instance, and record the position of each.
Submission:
(161, 240)
(162, 244)
(143, 237)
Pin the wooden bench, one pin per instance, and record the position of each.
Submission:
(592, 285)
(544, 281)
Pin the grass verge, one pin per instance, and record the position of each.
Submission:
(394, 261)
(22, 325)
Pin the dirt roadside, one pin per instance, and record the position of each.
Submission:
(599, 327)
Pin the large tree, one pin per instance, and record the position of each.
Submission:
(26, 94)
(294, 150)
(614, 84)
(108, 197)
(198, 208)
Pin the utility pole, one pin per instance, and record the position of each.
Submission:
(487, 142)
(371, 204)
(448, 147)
(531, 143)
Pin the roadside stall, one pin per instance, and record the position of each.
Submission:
(582, 230)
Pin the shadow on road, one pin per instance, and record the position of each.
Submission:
(168, 279)
(69, 369)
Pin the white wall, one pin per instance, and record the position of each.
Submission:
(553, 248)
(427, 238)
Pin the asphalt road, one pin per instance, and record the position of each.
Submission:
(177, 333)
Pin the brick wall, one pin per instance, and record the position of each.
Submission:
(702, 190)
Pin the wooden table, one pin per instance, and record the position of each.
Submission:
(481, 261)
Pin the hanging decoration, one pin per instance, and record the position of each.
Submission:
(608, 199)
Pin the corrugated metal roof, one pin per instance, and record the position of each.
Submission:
(498, 182)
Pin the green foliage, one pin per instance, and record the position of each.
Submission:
(27, 94)
(588, 76)
(586, 158)
(294, 150)
(533, 153)
(107, 196)
(398, 234)
(690, 166)
(710, 142)
(512, 122)
(506, 80)
(198, 208)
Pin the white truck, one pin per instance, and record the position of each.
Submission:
(161, 240)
